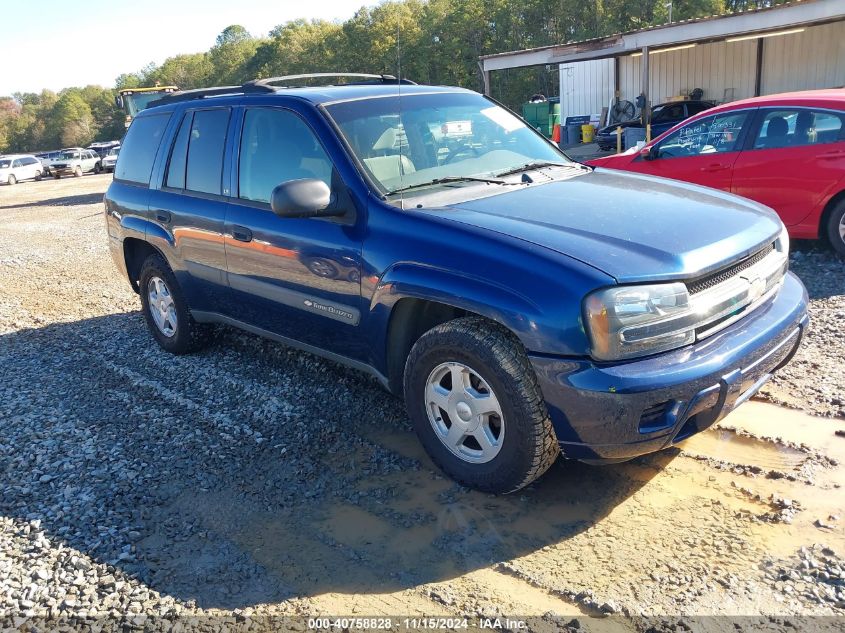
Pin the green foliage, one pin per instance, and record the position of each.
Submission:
(432, 41)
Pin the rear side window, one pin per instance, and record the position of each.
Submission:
(179, 155)
(139, 149)
(205, 151)
(791, 128)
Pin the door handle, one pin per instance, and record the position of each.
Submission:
(241, 233)
(715, 167)
(163, 216)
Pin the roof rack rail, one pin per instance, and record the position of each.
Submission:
(385, 79)
(202, 93)
(265, 86)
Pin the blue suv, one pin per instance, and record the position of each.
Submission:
(522, 304)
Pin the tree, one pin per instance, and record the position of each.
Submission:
(184, 71)
(72, 120)
(229, 57)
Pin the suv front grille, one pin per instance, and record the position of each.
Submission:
(714, 279)
(727, 295)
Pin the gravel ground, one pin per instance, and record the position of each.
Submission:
(815, 379)
(252, 480)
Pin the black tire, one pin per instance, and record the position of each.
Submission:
(98, 168)
(12, 180)
(57, 176)
(529, 446)
(189, 336)
(38, 176)
(834, 221)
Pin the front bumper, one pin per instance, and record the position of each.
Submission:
(613, 412)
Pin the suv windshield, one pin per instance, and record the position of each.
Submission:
(438, 138)
(69, 155)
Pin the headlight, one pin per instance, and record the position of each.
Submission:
(629, 321)
(782, 243)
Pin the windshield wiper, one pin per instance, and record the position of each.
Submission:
(535, 165)
(447, 179)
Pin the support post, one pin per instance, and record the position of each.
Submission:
(485, 78)
(758, 75)
(644, 92)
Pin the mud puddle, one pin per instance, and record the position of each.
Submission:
(728, 446)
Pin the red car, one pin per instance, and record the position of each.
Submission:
(786, 151)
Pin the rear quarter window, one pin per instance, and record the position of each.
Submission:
(138, 151)
(205, 151)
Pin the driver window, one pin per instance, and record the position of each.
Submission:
(710, 135)
(277, 146)
(673, 112)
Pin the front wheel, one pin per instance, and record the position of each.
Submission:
(836, 228)
(166, 312)
(77, 172)
(476, 406)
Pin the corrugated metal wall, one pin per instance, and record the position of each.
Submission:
(802, 61)
(725, 70)
(585, 87)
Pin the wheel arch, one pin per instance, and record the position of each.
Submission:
(135, 252)
(410, 300)
(832, 203)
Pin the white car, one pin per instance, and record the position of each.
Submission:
(110, 159)
(75, 161)
(17, 167)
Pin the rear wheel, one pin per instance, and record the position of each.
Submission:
(12, 180)
(476, 406)
(836, 228)
(166, 312)
(98, 168)
(38, 175)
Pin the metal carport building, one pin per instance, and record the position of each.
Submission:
(794, 46)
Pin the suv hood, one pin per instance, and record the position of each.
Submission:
(635, 228)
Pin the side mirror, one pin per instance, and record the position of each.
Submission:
(303, 198)
(648, 153)
(118, 101)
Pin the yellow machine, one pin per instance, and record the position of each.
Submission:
(133, 100)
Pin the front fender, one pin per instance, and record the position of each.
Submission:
(480, 296)
(553, 326)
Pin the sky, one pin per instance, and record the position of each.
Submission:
(61, 44)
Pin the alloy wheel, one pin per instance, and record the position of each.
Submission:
(162, 307)
(464, 412)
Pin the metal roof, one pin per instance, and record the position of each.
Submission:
(756, 21)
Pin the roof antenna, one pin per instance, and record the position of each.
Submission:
(399, 108)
